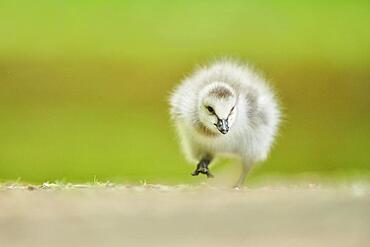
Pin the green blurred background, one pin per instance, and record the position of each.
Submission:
(84, 85)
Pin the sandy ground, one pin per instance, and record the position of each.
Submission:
(157, 215)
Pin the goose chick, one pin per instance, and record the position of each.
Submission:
(225, 108)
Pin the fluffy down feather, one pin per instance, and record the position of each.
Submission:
(238, 95)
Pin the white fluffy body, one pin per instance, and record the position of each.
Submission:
(251, 108)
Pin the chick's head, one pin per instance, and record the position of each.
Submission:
(217, 107)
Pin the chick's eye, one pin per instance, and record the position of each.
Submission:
(210, 109)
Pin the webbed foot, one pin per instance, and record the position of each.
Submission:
(203, 170)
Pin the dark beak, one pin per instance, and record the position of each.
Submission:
(222, 125)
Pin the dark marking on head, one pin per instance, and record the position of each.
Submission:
(221, 92)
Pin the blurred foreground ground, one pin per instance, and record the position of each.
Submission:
(157, 215)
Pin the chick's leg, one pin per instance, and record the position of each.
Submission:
(245, 169)
(202, 167)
